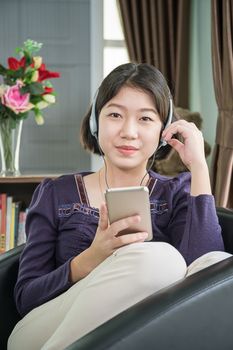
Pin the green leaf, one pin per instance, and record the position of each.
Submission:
(48, 83)
(24, 90)
(36, 88)
(23, 115)
(16, 74)
(29, 70)
(28, 74)
(9, 81)
(28, 57)
(3, 70)
(9, 116)
(35, 99)
(18, 50)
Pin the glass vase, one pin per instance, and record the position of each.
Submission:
(9, 147)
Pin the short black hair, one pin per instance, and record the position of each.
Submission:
(142, 76)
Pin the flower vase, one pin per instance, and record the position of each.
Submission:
(10, 138)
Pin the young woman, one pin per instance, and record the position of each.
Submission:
(75, 272)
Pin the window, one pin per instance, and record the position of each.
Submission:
(115, 51)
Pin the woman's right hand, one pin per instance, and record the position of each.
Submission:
(104, 244)
(106, 240)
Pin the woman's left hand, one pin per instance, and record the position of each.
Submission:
(191, 150)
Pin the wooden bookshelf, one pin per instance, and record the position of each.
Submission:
(22, 187)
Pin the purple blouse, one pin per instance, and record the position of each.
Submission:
(61, 224)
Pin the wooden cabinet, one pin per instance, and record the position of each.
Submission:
(22, 187)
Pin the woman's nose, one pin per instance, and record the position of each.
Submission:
(129, 129)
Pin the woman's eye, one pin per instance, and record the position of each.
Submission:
(146, 119)
(114, 115)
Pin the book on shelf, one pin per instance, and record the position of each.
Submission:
(3, 201)
(21, 237)
(12, 223)
(9, 201)
(16, 223)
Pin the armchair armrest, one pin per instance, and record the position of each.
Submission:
(195, 313)
(9, 316)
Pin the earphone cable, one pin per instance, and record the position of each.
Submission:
(106, 168)
(105, 164)
(105, 173)
(151, 164)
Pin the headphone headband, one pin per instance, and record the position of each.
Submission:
(92, 120)
(162, 142)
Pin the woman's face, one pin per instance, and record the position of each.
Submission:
(129, 129)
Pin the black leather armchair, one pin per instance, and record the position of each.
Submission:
(194, 314)
(9, 263)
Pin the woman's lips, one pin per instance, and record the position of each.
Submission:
(127, 150)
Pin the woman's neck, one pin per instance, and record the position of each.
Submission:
(115, 177)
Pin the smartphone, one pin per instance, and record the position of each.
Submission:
(128, 201)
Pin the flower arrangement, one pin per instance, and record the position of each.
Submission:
(24, 88)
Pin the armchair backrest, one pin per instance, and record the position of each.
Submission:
(225, 217)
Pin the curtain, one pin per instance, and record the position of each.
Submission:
(157, 32)
(222, 61)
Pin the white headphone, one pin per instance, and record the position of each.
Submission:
(92, 121)
(94, 128)
(162, 142)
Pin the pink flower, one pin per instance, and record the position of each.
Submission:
(13, 99)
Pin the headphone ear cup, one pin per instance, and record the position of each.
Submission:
(92, 123)
(162, 142)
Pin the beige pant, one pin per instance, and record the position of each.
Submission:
(129, 275)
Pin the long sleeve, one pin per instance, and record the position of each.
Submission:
(193, 227)
(39, 278)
